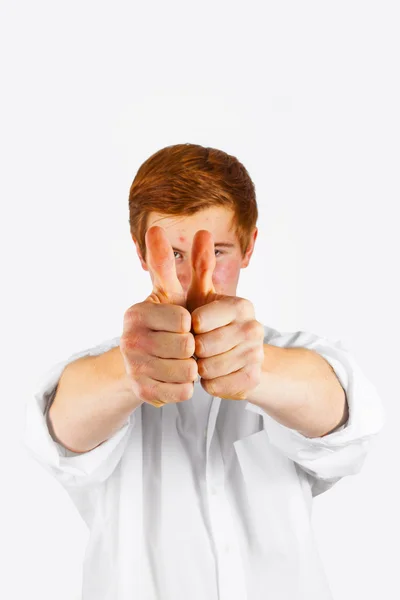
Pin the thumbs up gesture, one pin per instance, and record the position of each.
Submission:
(157, 344)
(228, 340)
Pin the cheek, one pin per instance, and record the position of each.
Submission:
(226, 272)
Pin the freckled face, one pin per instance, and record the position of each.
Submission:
(180, 231)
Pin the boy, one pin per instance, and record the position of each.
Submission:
(193, 444)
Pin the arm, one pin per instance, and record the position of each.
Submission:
(300, 389)
(93, 400)
(328, 457)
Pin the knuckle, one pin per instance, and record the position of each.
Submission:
(142, 390)
(199, 346)
(254, 354)
(156, 391)
(129, 342)
(252, 374)
(254, 328)
(245, 308)
(135, 367)
(192, 370)
(210, 387)
(185, 318)
(251, 330)
(250, 353)
(161, 392)
(202, 368)
(133, 316)
(188, 345)
(238, 300)
(186, 392)
(247, 330)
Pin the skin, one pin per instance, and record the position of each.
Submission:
(193, 311)
(180, 232)
(193, 272)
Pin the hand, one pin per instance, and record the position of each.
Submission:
(157, 344)
(228, 340)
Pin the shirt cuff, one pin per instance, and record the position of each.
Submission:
(71, 468)
(343, 451)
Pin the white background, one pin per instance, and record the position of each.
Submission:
(306, 95)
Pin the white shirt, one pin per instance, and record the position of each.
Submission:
(208, 499)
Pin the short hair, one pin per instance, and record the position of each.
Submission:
(183, 179)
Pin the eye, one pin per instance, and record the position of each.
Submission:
(216, 250)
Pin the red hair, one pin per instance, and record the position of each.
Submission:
(185, 178)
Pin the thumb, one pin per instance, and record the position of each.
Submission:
(201, 290)
(160, 260)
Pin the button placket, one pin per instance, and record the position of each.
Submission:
(231, 578)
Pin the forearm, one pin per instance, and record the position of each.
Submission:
(299, 389)
(92, 402)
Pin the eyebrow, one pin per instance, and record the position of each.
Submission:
(219, 244)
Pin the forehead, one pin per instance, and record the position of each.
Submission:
(180, 228)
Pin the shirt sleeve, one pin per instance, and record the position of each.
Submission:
(342, 452)
(72, 469)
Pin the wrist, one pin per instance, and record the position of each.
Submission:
(118, 372)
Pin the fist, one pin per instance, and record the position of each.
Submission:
(157, 344)
(229, 341)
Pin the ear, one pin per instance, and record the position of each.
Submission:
(250, 248)
(142, 261)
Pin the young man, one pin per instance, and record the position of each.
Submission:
(193, 444)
